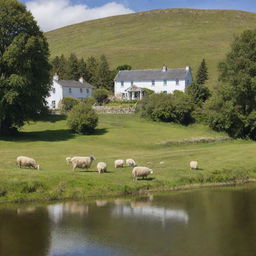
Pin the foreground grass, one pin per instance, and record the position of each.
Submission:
(175, 37)
(117, 137)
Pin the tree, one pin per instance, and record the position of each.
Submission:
(233, 106)
(92, 66)
(103, 74)
(101, 95)
(24, 67)
(198, 92)
(67, 103)
(59, 66)
(124, 67)
(202, 73)
(82, 119)
(72, 68)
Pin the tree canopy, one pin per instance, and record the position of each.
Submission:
(233, 106)
(24, 67)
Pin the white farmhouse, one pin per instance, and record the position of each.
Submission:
(129, 84)
(63, 88)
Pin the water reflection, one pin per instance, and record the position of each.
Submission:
(206, 222)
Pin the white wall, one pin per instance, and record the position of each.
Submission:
(57, 96)
(61, 92)
(159, 86)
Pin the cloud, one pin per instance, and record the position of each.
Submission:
(53, 14)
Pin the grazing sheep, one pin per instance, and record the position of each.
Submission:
(82, 161)
(102, 167)
(130, 162)
(23, 161)
(68, 160)
(119, 163)
(141, 172)
(193, 165)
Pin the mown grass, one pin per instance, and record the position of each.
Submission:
(175, 37)
(117, 137)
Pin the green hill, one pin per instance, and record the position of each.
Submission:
(175, 37)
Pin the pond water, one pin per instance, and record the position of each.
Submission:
(207, 222)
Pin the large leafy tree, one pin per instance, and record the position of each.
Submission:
(233, 106)
(24, 67)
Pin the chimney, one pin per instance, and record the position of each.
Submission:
(56, 77)
(187, 68)
(164, 69)
(81, 80)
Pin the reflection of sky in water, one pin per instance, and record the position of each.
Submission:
(151, 212)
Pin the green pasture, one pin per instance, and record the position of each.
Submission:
(117, 137)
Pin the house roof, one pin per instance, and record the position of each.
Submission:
(151, 74)
(134, 88)
(74, 84)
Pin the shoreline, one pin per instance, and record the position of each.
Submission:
(133, 193)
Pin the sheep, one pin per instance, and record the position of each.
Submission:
(119, 163)
(81, 161)
(193, 165)
(68, 160)
(130, 162)
(141, 171)
(102, 167)
(23, 161)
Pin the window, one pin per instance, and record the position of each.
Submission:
(165, 82)
(87, 91)
(122, 83)
(153, 82)
(53, 90)
(53, 104)
(81, 90)
(70, 90)
(177, 81)
(165, 92)
(131, 83)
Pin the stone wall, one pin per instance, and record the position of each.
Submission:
(113, 110)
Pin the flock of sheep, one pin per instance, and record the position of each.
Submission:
(85, 162)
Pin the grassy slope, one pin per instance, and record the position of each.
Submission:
(175, 37)
(118, 136)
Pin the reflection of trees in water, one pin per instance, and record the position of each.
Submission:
(24, 232)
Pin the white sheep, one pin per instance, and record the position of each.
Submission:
(141, 171)
(68, 160)
(193, 165)
(23, 161)
(102, 167)
(81, 161)
(130, 162)
(119, 163)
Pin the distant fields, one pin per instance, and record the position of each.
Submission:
(117, 137)
(175, 37)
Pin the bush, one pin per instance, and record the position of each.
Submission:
(176, 107)
(100, 95)
(67, 104)
(90, 101)
(82, 119)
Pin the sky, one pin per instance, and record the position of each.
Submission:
(53, 14)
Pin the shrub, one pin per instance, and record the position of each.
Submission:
(90, 101)
(100, 95)
(82, 119)
(176, 107)
(67, 104)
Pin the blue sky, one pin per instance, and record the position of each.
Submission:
(140, 5)
(75, 11)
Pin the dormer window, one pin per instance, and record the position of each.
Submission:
(53, 90)
(177, 81)
(153, 82)
(165, 82)
(70, 90)
(122, 83)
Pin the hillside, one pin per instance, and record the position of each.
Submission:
(175, 37)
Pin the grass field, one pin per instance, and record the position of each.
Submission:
(175, 37)
(117, 137)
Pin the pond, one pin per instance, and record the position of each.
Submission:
(212, 222)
